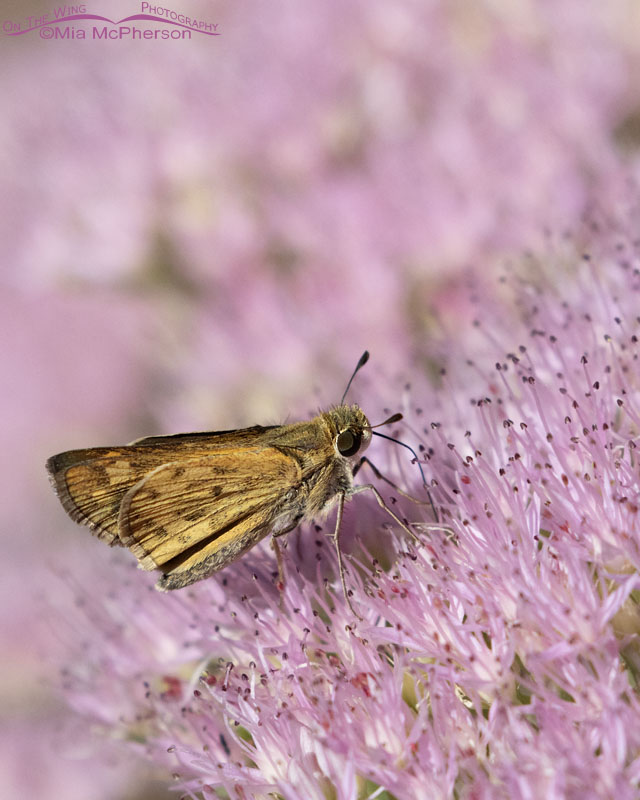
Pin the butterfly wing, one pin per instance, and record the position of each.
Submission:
(193, 517)
(91, 484)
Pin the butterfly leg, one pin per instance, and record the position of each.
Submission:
(336, 541)
(369, 487)
(380, 476)
(277, 550)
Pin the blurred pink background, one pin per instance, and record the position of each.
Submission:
(206, 234)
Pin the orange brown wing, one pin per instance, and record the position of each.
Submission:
(92, 483)
(190, 518)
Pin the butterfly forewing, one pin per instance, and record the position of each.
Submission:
(92, 483)
(178, 509)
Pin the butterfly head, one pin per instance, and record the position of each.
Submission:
(350, 429)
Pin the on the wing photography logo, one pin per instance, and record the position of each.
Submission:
(76, 22)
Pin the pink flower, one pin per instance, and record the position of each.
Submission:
(489, 661)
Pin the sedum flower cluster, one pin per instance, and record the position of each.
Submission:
(495, 657)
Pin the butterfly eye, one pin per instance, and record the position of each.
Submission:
(348, 443)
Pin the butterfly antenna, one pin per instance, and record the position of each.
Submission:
(363, 360)
(393, 418)
(415, 455)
